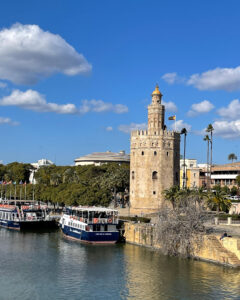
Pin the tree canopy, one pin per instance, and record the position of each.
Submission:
(78, 185)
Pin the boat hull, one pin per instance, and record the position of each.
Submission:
(10, 224)
(28, 225)
(99, 237)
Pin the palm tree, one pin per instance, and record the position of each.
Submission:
(232, 157)
(206, 138)
(184, 131)
(171, 195)
(199, 195)
(218, 200)
(210, 129)
(238, 182)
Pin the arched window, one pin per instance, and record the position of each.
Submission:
(154, 175)
(167, 153)
(133, 175)
(155, 153)
(142, 152)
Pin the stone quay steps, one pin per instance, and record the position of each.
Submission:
(225, 256)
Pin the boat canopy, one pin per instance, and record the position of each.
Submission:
(93, 209)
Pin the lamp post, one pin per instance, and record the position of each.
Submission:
(184, 131)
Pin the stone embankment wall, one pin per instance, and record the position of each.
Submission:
(226, 251)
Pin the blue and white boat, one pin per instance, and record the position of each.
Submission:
(95, 225)
(21, 216)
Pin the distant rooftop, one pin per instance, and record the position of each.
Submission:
(227, 167)
(103, 157)
(42, 162)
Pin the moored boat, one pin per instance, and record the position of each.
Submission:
(95, 225)
(23, 215)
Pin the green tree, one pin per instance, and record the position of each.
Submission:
(234, 191)
(206, 138)
(210, 130)
(217, 200)
(238, 182)
(172, 195)
(232, 157)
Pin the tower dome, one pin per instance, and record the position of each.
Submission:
(156, 91)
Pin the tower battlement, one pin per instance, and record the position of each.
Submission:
(160, 132)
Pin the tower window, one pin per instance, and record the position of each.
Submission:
(167, 153)
(142, 152)
(154, 192)
(133, 174)
(155, 153)
(154, 175)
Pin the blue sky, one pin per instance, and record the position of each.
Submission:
(76, 76)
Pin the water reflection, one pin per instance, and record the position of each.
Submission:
(151, 275)
(47, 266)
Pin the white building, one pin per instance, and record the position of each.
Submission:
(99, 158)
(41, 163)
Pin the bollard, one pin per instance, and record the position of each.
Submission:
(216, 221)
(229, 220)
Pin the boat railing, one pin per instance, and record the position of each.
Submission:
(108, 220)
(33, 218)
(103, 220)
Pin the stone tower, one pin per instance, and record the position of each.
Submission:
(155, 160)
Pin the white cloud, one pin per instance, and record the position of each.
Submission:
(2, 85)
(232, 111)
(131, 127)
(170, 106)
(227, 130)
(33, 100)
(200, 108)
(172, 78)
(101, 106)
(8, 121)
(218, 79)
(27, 54)
(109, 128)
(180, 125)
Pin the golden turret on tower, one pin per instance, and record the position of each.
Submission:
(156, 91)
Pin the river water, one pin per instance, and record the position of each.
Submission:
(47, 266)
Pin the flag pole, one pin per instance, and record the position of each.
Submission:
(175, 123)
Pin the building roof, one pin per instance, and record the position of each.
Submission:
(42, 162)
(227, 167)
(105, 157)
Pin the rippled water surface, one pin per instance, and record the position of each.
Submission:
(47, 266)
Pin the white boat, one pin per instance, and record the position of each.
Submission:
(96, 225)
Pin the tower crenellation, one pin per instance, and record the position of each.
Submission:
(155, 156)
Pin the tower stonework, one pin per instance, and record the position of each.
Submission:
(155, 160)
